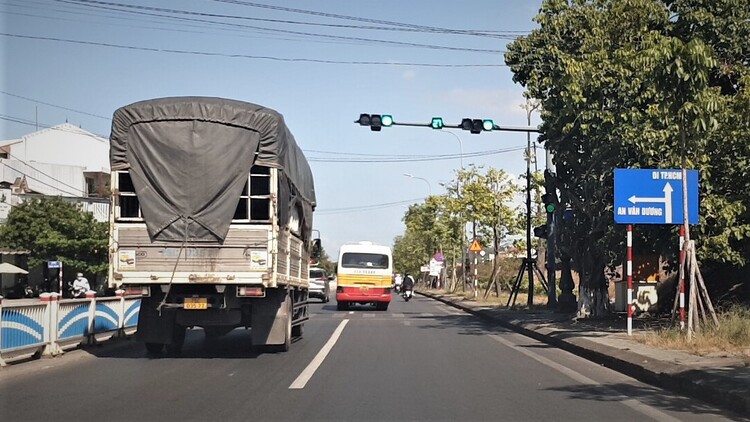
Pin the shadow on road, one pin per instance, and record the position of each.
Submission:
(235, 345)
(643, 394)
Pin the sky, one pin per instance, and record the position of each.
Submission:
(318, 63)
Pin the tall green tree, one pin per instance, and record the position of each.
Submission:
(622, 84)
(486, 198)
(55, 230)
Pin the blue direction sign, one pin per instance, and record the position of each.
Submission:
(654, 196)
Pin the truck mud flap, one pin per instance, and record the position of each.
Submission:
(271, 319)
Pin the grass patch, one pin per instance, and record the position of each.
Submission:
(732, 336)
(493, 300)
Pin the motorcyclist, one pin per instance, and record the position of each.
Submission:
(80, 286)
(408, 283)
(397, 281)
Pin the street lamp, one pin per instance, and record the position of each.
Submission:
(461, 146)
(458, 193)
(429, 187)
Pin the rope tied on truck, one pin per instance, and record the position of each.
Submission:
(163, 302)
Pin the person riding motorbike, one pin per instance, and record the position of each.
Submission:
(80, 286)
(397, 281)
(408, 286)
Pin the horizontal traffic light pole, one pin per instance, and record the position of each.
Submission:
(475, 126)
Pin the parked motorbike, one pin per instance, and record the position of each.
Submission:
(75, 294)
(407, 294)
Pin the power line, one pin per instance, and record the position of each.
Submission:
(77, 195)
(401, 159)
(97, 137)
(41, 172)
(389, 26)
(138, 8)
(242, 56)
(358, 19)
(56, 106)
(371, 207)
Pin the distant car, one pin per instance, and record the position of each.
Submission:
(319, 284)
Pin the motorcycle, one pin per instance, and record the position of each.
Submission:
(407, 294)
(75, 293)
(397, 288)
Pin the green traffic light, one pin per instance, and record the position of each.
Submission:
(437, 123)
(550, 208)
(488, 124)
(387, 120)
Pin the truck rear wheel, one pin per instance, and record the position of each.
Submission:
(178, 340)
(342, 306)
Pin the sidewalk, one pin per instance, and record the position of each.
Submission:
(719, 379)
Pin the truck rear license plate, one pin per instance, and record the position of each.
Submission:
(195, 303)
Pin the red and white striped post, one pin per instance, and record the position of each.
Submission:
(476, 282)
(630, 279)
(91, 297)
(682, 278)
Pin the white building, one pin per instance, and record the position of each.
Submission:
(62, 160)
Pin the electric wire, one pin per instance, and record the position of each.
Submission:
(385, 25)
(306, 34)
(74, 195)
(244, 56)
(97, 137)
(402, 159)
(354, 18)
(371, 207)
(41, 172)
(55, 106)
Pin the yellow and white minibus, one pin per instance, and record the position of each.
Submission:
(365, 274)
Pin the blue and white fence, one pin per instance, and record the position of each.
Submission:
(53, 325)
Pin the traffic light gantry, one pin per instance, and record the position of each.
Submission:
(378, 121)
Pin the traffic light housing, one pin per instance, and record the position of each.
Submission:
(550, 202)
(375, 121)
(476, 126)
(541, 231)
(437, 123)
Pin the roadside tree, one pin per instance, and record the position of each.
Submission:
(55, 230)
(624, 84)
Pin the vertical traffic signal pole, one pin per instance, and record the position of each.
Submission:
(529, 264)
(549, 186)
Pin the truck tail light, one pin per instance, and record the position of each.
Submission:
(250, 291)
(137, 291)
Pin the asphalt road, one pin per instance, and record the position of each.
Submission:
(420, 360)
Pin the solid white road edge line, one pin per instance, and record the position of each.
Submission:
(649, 411)
(305, 375)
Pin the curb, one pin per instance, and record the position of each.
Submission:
(718, 390)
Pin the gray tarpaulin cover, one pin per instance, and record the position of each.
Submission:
(189, 158)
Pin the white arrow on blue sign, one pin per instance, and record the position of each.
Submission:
(654, 196)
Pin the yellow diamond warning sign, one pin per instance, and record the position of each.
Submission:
(475, 246)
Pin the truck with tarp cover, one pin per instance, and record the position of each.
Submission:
(211, 220)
